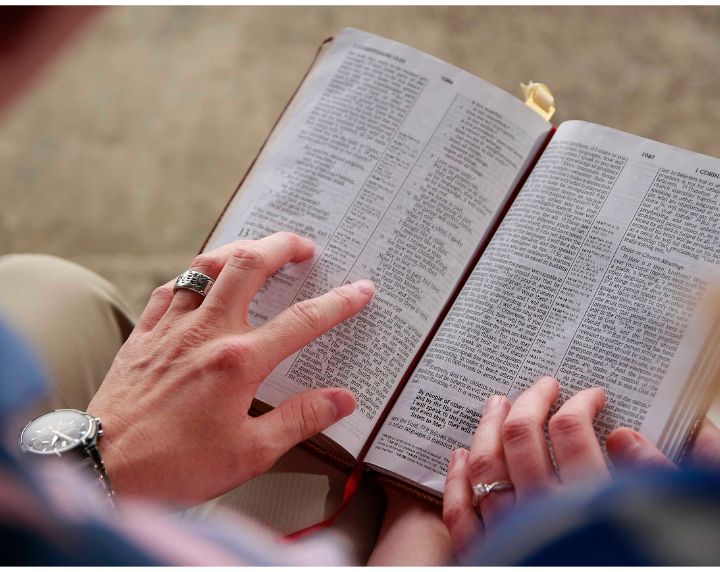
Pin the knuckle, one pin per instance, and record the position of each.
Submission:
(193, 335)
(345, 300)
(308, 313)
(452, 515)
(302, 419)
(208, 263)
(289, 237)
(216, 313)
(163, 292)
(293, 420)
(231, 356)
(565, 423)
(518, 430)
(484, 464)
(248, 257)
(311, 418)
(287, 417)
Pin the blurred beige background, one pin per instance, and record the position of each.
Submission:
(126, 150)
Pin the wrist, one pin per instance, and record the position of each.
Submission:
(112, 449)
(412, 533)
(72, 436)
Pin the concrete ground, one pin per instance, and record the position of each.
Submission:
(125, 151)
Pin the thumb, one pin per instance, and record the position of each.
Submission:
(705, 450)
(630, 448)
(303, 416)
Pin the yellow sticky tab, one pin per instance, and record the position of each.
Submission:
(539, 98)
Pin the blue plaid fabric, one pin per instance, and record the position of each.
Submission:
(668, 518)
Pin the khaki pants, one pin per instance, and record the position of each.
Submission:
(76, 321)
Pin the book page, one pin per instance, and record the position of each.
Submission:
(396, 164)
(593, 277)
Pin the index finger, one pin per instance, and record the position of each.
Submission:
(303, 322)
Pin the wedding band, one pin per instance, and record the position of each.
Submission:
(195, 281)
(481, 490)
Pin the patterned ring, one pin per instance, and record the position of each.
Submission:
(195, 281)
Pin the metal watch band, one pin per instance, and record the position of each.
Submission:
(94, 460)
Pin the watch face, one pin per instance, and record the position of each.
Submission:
(56, 432)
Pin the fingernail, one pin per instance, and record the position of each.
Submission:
(626, 441)
(602, 394)
(344, 403)
(637, 438)
(365, 287)
(547, 379)
(492, 403)
(310, 243)
(457, 455)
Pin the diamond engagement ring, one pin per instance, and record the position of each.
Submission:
(195, 281)
(481, 490)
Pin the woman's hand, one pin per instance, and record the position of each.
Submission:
(510, 445)
(175, 403)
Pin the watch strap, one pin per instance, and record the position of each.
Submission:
(94, 460)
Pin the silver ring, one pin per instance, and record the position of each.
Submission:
(481, 490)
(195, 281)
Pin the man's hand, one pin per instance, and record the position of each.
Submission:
(175, 403)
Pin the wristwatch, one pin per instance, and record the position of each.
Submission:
(69, 434)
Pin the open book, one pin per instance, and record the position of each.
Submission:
(502, 249)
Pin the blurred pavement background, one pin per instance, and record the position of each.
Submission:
(126, 150)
